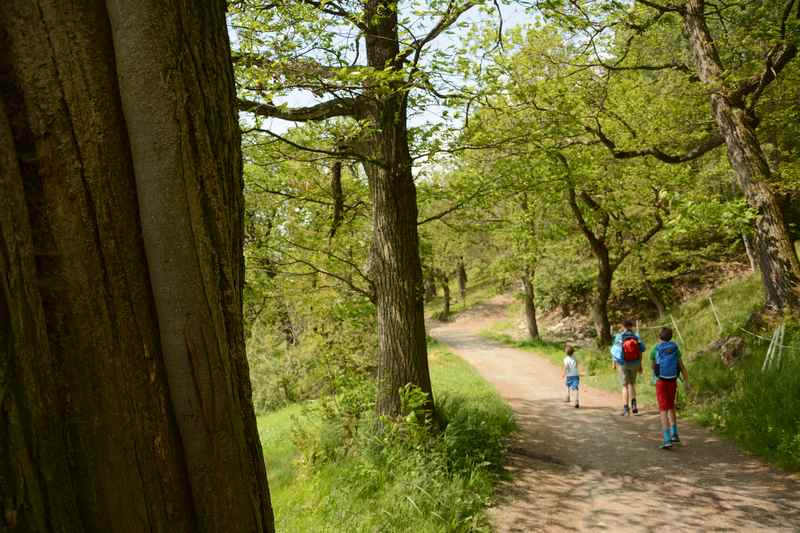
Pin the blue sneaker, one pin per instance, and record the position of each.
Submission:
(666, 445)
(675, 438)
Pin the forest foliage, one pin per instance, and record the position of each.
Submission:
(594, 157)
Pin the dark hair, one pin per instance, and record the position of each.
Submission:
(665, 334)
(627, 323)
(569, 349)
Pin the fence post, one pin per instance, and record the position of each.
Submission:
(716, 316)
(675, 325)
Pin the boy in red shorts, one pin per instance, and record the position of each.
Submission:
(667, 364)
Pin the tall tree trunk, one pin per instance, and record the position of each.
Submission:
(396, 268)
(530, 303)
(605, 269)
(462, 281)
(446, 291)
(125, 401)
(780, 268)
(605, 274)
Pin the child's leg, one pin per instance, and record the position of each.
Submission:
(673, 422)
(577, 399)
(664, 416)
(662, 397)
(665, 422)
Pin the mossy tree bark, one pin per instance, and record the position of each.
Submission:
(125, 401)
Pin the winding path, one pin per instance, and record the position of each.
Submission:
(590, 469)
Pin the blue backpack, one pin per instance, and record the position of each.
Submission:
(667, 360)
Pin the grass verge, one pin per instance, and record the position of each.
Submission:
(406, 479)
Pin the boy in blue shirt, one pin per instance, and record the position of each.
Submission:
(626, 357)
(667, 364)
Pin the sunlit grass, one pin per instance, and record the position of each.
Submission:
(412, 491)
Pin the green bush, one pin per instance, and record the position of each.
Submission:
(324, 361)
(413, 473)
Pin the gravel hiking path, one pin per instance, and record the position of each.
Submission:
(590, 469)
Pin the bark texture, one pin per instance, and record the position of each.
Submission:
(779, 265)
(124, 392)
(396, 269)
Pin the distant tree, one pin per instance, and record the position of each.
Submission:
(123, 381)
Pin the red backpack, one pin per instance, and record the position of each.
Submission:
(630, 347)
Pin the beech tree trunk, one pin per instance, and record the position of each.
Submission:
(396, 269)
(125, 401)
(779, 265)
(530, 304)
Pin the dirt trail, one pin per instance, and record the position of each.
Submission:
(590, 469)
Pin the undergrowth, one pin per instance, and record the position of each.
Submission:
(758, 408)
(348, 476)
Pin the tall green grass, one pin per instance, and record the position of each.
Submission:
(406, 478)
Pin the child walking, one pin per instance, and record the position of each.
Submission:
(667, 364)
(570, 374)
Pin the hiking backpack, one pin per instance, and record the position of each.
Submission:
(667, 360)
(630, 348)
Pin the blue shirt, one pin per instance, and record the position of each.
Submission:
(616, 347)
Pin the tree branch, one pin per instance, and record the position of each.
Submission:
(662, 8)
(456, 207)
(714, 140)
(337, 107)
(369, 294)
(332, 8)
(332, 153)
(657, 226)
(450, 15)
(777, 58)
